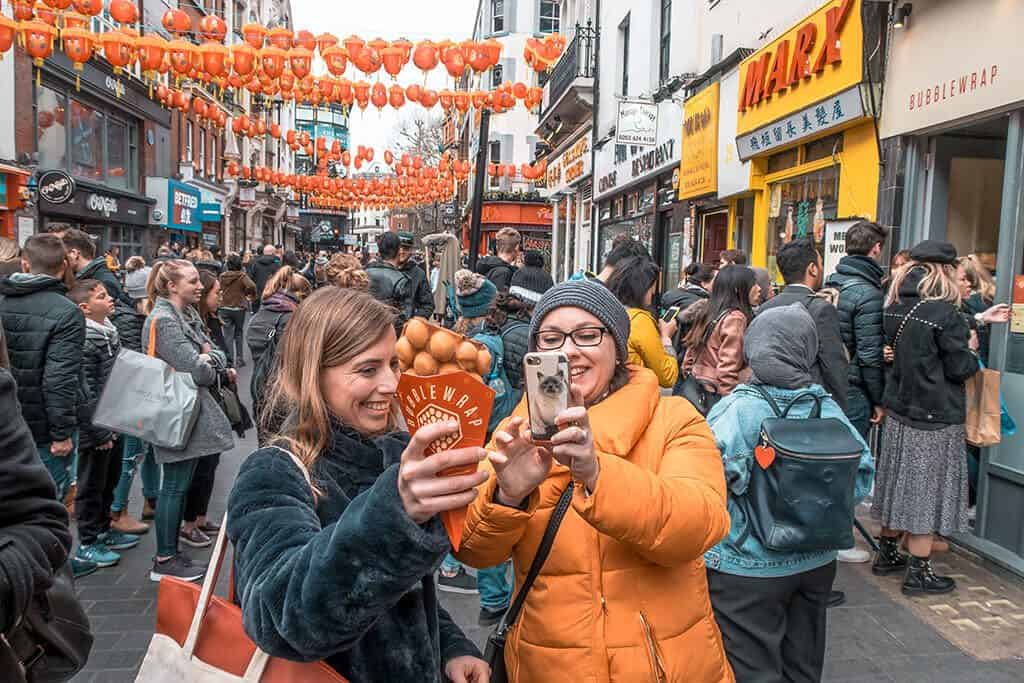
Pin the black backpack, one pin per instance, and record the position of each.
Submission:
(263, 368)
(801, 492)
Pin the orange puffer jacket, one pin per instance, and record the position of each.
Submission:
(623, 596)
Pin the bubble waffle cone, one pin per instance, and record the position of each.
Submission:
(457, 396)
(425, 349)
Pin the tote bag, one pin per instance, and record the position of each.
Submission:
(199, 637)
(984, 414)
(144, 397)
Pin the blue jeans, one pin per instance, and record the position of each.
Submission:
(492, 582)
(170, 505)
(859, 410)
(136, 452)
(63, 470)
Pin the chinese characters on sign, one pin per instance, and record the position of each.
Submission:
(699, 166)
(835, 111)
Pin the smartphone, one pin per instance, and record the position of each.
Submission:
(547, 391)
(670, 315)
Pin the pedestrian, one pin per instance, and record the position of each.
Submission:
(421, 296)
(714, 344)
(112, 257)
(263, 268)
(100, 450)
(650, 339)
(174, 290)
(624, 247)
(696, 287)
(922, 468)
(500, 268)
(529, 284)
(281, 296)
(45, 334)
(764, 281)
(335, 525)
(801, 266)
(621, 595)
(238, 291)
(771, 605)
(531, 281)
(86, 265)
(732, 257)
(345, 271)
(10, 257)
(137, 455)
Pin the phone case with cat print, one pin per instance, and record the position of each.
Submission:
(547, 391)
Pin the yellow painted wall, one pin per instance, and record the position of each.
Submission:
(858, 184)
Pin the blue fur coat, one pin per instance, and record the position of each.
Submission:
(347, 578)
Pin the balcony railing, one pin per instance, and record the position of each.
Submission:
(576, 62)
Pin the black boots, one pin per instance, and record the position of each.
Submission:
(921, 579)
(889, 560)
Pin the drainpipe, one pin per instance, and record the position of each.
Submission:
(595, 135)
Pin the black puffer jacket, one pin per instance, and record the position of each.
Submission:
(858, 279)
(129, 321)
(34, 534)
(97, 270)
(515, 335)
(497, 270)
(98, 356)
(925, 384)
(45, 335)
(263, 268)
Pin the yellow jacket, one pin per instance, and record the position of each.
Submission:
(646, 349)
(623, 596)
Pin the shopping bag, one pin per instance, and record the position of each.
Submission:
(145, 398)
(200, 639)
(984, 414)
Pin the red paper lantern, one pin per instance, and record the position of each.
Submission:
(272, 59)
(213, 28)
(90, 8)
(254, 35)
(8, 32)
(176, 21)
(78, 46)
(379, 95)
(396, 97)
(324, 41)
(124, 11)
(305, 39)
(393, 58)
(38, 38)
(24, 10)
(281, 37)
(301, 60)
(429, 98)
(215, 59)
(180, 53)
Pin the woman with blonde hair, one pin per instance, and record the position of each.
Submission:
(334, 522)
(174, 293)
(346, 271)
(921, 484)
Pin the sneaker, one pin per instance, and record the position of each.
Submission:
(149, 509)
(99, 553)
(125, 523)
(80, 568)
(835, 599)
(459, 582)
(490, 617)
(178, 567)
(854, 556)
(194, 538)
(209, 528)
(117, 540)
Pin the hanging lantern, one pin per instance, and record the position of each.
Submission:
(281, 37)
(492, 170)
(46, 14)
(199, 107)
(462, 101)
(324, 41)
(78, 46)
(367, 60)
(478, 99)
(493, 49)
(58, 4)
(346, 158)
(272, 58)
(254, 35)
(176, 21)
(396, 97)
(182, 101)
(405, 46)
(215, 59)
(118, 48)
(232, 169)
(336, 59)
(24, 10)
(301, 61)
(480, 59)
(275, 131)
(343, 90)
(353, 44)
(429, 98)
(38, 38)
(305, 39)
(379, 95)
(213, 28)
(414, 92)
(261, 127)
(8, 33)
(389, 158)
(454, 63)
(90, 8)
(425, 56)
(243, 59)
(393, 58)
(124, 11)
(151, 50)
(76, 20)
(180, 53)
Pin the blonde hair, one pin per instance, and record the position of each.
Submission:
(164, 273)
(938, 284)
(135, 263)
(330, 329)
(346, 271)
(979, 276)
(287, 280)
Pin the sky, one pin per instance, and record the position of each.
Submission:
(413, 20)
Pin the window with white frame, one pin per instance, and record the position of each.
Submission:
(550, 16)
(497, 16)
(188, 141)
(497, 74)
(494, 152)
(665, 44)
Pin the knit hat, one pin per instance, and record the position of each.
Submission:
(934, 251)
(475, 293)
(592, 297)
(135, 283)
(530, 282)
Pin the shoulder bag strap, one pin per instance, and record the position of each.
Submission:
(538, 560)
(768, 397)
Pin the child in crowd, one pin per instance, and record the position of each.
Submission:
(99, 461)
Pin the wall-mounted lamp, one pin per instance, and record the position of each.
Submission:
(901, 17)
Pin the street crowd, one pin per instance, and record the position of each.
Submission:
(649, 539)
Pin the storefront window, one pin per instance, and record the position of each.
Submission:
(799, 207)
(129, 239)
(51, 112)
(823, 148)
(87, 126)
(119, 174)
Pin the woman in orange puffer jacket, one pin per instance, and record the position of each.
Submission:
(623, 596)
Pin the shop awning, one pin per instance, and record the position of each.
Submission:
(5, 168)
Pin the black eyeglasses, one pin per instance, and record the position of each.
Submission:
(553, 340)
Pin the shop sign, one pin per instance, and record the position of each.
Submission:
(184, 207)
(733, 173)
(210, 212)
(101, 204)
(56, 187)
(835, 244)
(698, 171)
(570, 167)
(619, 166)
(930, 82)
(818, 57)
(836, 111)
(637, 123)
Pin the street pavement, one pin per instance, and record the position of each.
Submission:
(878, 635)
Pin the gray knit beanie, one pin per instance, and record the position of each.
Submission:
(592, 297)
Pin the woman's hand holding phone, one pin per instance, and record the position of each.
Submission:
(573, 445)
(519, 464)
(424, 493)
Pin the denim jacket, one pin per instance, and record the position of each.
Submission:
(736, 423)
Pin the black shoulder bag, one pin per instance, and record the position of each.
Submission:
(51, 642)
(703, 395)
(494, 653)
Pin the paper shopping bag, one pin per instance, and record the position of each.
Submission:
(984, 415)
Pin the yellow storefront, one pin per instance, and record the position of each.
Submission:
(805, 124)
